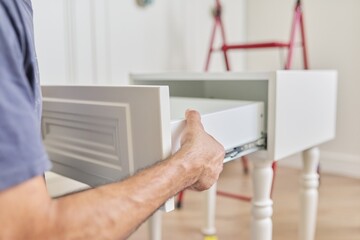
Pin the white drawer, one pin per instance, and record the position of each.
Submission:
(237, 125)
(98, 135)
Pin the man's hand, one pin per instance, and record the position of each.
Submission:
(27, 212)
(203, 155)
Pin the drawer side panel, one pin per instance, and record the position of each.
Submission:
(232, 127)
(305, 110)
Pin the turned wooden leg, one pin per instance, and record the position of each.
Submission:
(261, 222)
(309, 194)
(155, 226)
(210, 229)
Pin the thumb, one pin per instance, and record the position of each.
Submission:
(193, 119)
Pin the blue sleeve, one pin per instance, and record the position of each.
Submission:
(22, 155)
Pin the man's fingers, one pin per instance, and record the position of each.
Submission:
(193, 119)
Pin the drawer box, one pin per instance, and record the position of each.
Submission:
(101, 134)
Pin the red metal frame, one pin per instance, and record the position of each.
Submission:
(298, 20)
(246, 198)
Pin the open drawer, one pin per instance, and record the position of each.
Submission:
(237, 125)
(101, 134)
(299, 106)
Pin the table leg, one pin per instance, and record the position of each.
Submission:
(261, 222)
(210, 229)
(309, 194)
(155, 226)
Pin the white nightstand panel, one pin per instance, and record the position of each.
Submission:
(305, 106)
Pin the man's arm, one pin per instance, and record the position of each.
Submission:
(112, 211)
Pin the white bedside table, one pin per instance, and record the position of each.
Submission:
(100, 134)
(300, 114)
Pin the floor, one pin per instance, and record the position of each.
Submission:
(338, 213)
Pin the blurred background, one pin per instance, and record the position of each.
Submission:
(102, 41)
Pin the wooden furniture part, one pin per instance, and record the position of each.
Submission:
(97, 135)
(300, 111)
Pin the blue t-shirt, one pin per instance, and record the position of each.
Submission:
(22, 154)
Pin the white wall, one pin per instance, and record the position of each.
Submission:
(98, 41)
(101, 41)
(333, 35)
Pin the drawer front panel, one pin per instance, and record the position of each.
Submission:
(92, 137)
(98, 135)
